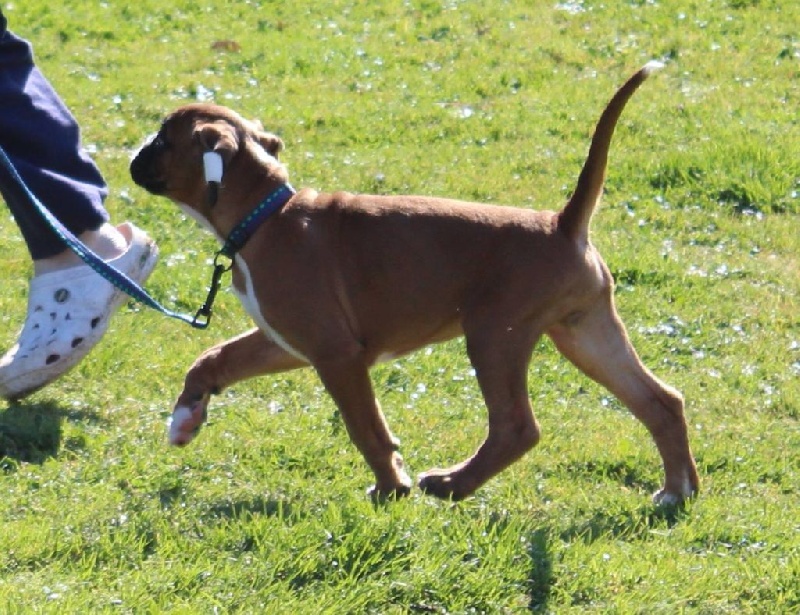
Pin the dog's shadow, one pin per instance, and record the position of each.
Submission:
(260, 506)
(540, 579)
(628, 525)
(32, 432)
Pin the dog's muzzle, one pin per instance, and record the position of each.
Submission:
(144, 166)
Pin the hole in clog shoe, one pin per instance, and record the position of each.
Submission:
(76, 341)
(52, 359)
(61, 295)
(95, 321)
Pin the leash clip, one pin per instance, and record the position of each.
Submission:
(220, 268)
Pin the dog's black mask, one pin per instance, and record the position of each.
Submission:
(144, 171)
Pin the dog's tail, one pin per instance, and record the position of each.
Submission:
(574, 218)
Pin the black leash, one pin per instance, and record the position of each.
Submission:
(238, 238)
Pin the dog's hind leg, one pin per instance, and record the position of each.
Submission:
(597, 343)
(239, 358)
(346, 378)
(500, 356)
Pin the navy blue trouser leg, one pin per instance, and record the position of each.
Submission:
(42, 139)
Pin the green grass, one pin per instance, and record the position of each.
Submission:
(266, 512)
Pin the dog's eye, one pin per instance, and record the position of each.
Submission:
(157, 141)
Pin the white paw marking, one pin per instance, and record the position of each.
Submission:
(177, 434)
(662, 498)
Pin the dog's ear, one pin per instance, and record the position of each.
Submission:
(219, 143)
(270, 142)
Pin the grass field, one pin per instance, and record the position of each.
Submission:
(266, 511)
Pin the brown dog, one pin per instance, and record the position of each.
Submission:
(341, 282)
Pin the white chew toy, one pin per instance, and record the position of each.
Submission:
(212, 167)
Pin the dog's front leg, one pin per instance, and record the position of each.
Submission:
(242, 357)
(347, 380)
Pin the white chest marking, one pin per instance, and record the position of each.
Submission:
(250, 303)
(248, 298)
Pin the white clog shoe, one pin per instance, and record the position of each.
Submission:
(68, 313)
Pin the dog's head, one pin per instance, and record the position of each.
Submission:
(203, 152)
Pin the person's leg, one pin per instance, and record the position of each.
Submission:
(69, 305)
(42, 139)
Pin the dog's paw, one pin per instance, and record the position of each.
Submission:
(665, 499)
(185, 423)
(382, 495)
(682, 491)
(441, 484)
(397, 486)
